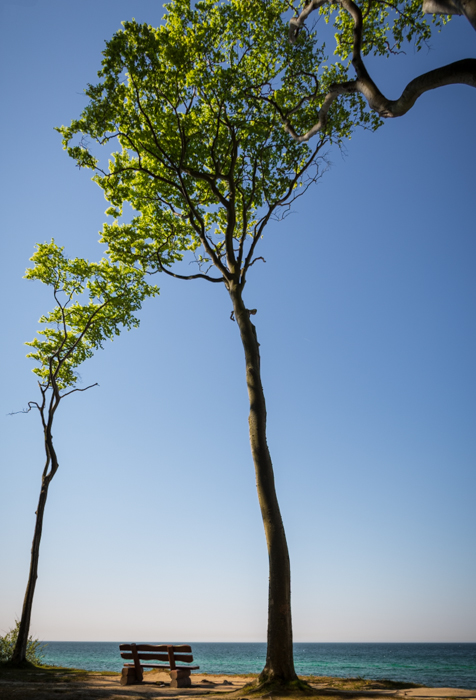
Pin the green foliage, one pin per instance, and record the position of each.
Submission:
(34, 648)
(196, 107)
(387, 26)
(193, 114)
(94, 300)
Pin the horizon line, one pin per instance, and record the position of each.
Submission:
(197, 641)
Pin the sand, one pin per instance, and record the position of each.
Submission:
(107, 687)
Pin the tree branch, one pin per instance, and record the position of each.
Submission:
(188, 277)
(459, 72)
(73, 390)
(297, 23)
(452, 7)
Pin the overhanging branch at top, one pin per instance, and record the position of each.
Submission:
(458, 72)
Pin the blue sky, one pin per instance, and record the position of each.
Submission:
(366, 323)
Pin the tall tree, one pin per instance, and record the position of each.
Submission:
(93, 301)
(378, 28)
(195, 107)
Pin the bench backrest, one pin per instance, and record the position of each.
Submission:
(157, 652)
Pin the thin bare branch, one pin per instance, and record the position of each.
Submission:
(187, 277)
(31, 404)
(256, 260)
(77, 389)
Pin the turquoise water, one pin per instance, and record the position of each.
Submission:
(443, 665)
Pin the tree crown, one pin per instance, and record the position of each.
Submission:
(93, 302)
(197, 107)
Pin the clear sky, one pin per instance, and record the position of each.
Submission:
(366, 310)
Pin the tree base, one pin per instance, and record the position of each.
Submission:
(26, 665)
(277, 687)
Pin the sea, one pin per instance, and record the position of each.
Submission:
(433, 665)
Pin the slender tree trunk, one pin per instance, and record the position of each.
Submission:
(19, 654)
(279, 659)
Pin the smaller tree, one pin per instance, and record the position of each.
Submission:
(93, 302)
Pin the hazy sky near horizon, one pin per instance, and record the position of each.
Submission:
(366, 310)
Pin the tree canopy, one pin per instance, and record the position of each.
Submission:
(93, 302)
(196, 107)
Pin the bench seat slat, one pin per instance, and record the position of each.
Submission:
(178, 648)
(147, 657)
(185, 668)
(184, 658)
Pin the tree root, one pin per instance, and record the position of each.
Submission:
(276, 688)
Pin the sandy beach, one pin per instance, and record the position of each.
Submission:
(69, 685)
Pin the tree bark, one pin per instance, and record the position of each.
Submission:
(50, 469)
(19, 654)
(279, 659)
(452, 7)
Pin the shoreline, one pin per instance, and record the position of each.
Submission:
(432, 665)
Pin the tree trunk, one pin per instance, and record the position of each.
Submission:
(19, 654)
(279, 659)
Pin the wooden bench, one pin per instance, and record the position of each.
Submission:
(143, 654)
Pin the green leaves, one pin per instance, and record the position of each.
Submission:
(191, 117)
(387, 26)
(93, 302)
(35, 650)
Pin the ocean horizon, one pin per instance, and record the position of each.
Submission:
(433, 664)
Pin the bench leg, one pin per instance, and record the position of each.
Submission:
(130, 676)
(180, 678)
